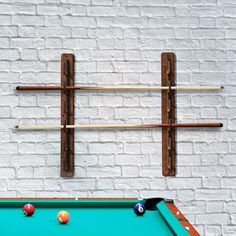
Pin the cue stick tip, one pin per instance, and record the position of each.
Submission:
(17, 127)
(18, 88)
(221, 124)
(222, 87)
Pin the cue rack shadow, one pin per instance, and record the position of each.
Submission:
(168, 125)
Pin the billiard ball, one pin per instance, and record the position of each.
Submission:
(63, 217)
(139, 209)
(28, 209)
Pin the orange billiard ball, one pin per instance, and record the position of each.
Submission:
(63, 217)
(28, 209)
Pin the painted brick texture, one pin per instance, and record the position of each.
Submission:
(119, 42)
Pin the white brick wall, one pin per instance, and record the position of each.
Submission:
(120, 42)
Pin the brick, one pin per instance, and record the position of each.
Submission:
(47, 148)
(170, 194)
(27, 148)
(8, 148)
(25, 172)
(28, 112)
(212, 219)
(185, 195)
(131, 43)
(150, 171)
(105, 193)
(105, 66)
(132, 148)
(183, 183)
(193, 206)
(212, 194)
(130, 171)
(53, 43)
(51, 194)
(131, 33)
(104, 183)
(50, 10)
(79, 2)
(211, 182)
(228, 182)
(102, 2)
(28, 160)
(124, 159)
(84, 21)
(185, 148)
(108, 32)
(17, 9)
(208, 171)
(5, 20)
(27, 20)
(131, 113)
(214, 206)
(10, 31)
(157, 11)
(132, 55)
(105, 171)
(105, 11)
(29, 54)
(45, 172)
(27, 43)
(5, 42)
(132, 11)
(182, 22)
(105, 148)
(8, 173)
(107, 55)
(229, 230)
(52, 184)
(79, 184)
(87, 160)
(26, 184)
(32, 66)
(228, 159)
(26, 31)
(151, 148)
(108, 136)
(127, 183)
(206, 11)
(56, 31)
(104, 160)
(211, 148)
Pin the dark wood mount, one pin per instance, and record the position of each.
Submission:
(168, 113)
(168, 125)
(67, 115)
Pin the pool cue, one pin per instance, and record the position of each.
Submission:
(120, 126)
(120, 88)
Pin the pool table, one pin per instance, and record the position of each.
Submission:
(114, 217)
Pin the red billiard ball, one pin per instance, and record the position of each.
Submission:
(28, 209)
(63, 217)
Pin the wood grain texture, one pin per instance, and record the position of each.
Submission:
(168, 113)
(67, 116)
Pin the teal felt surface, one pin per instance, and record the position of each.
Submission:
(97, 218)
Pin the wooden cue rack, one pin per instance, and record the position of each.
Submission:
(168, 125)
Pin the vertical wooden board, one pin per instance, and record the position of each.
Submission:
(168, 107)
(67, 116)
